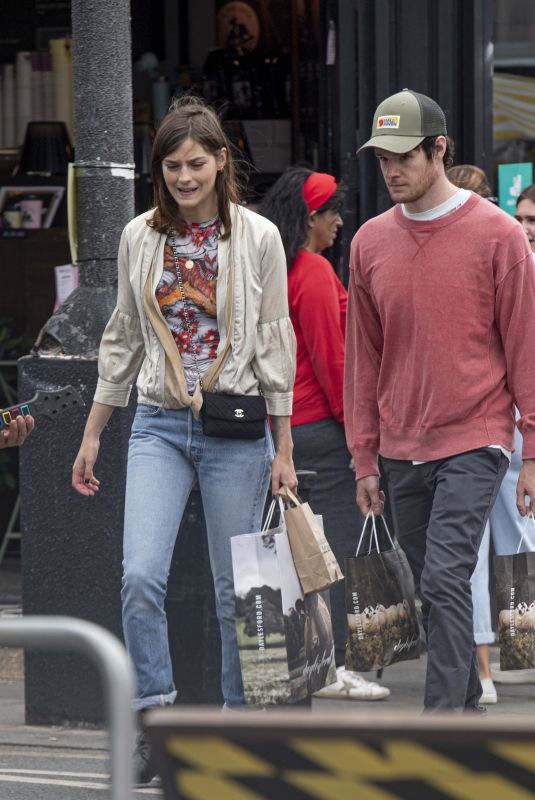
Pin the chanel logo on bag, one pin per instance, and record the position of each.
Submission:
(239, 413)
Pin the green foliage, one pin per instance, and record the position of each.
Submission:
(11, 345)
(267, 680)
(245, 641)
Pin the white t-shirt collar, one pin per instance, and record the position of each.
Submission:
(451, 204)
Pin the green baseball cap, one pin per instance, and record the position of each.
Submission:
(403, 120)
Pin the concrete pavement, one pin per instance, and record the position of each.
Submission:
(57, 763)
(49, 762)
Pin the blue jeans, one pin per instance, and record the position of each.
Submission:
(168, 453)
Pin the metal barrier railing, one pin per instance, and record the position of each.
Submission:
(109, 656)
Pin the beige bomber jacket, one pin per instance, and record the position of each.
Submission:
(257, 343)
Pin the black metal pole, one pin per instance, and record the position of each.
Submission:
(441, 49)
(366, 103)
(80, 575)
(347, 124)
(104, 172)
(478, 53)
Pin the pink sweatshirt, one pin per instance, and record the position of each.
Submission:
(440, 336)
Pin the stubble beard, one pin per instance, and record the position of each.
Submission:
(415, 193)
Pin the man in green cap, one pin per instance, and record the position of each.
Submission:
(440, 337)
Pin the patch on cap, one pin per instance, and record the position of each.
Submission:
(390, 121)
(401, 122)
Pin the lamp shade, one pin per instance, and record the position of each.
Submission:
(46, 149)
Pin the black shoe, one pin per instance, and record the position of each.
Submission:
(143, 762)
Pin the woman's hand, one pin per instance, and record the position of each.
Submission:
(526, 487)
(282, 468)
(283, 473)
(83, 479)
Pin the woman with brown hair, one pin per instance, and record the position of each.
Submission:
(201, 308)
(468, 176)
(525, 213)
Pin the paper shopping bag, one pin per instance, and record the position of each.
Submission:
(515, 601)
(381, 612)
(314, 560)
(285, 639)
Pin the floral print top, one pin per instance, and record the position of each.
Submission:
(197, 262)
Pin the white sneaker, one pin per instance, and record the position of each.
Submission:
(489, 696)
(352, 686)
(512, 675)
(242, 709)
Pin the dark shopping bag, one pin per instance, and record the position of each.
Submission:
(381, 612)
(285, 639)
(515, 601)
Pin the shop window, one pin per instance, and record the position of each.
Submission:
(514, 81)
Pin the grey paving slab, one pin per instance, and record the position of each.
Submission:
(59, 763)
(406, 683)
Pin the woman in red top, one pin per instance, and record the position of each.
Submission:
(305, 206)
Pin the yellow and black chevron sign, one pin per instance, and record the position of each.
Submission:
(309, 758)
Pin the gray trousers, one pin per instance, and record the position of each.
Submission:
(440, 509)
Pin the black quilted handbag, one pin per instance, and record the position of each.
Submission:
(234, 416)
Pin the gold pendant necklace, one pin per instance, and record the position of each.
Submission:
(198, 237)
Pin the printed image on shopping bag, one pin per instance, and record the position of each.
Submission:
(320, 667)
(515, 596)
(270, 620)
(381, 614)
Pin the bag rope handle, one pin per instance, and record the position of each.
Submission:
(289, 496)
(374, 533)
(269, 515)
(526, 522)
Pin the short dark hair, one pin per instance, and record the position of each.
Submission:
(428, 146)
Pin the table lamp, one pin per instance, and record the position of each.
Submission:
(46, 149)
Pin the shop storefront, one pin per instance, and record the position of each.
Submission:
(297, 81)
(277, 70)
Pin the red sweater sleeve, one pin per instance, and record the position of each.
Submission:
(515, 318)
(364, 345)
(319, 301)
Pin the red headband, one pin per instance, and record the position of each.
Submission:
(317, 189)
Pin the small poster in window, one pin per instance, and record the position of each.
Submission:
(66, 277)
(512, 180)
